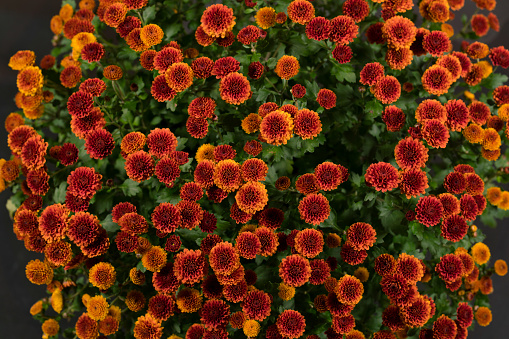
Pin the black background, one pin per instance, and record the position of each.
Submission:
(24, 24)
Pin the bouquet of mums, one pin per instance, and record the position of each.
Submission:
(270, 169)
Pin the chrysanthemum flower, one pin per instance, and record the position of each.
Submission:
(450, 267)
(227, 175)
(80, 104)
(287, 66)
(179, 76)
(452, 64)
(191, 213)
(135, 300)
(189, 266)
(436, 43)
(166, 218)
(113, 72)
(151, 35)
(70, 76)
(301, 11)
(215, 314)
(248, 35)
(53, 222)
(33, 152)
(480, 24)
(251, 197)
(217, 20)
(473, 133)
(277, 127)
(450, 203)
(26, 221)
(499, 56)
(99, 143)
(295, 270)
(224, 258)
(320, 271)
(314, 209)
(235, 88)
(97, 307)
(410, 154)
(382, 176)
(115, 14)
(248, 245)
(309, 243)
(307, 124)
(147, 59)
(387, 89)
(399, 32)
(483, 316)
(30, 80)
(84, 182)
(491, 139)
(490, 155)
(102, 275)
(21, 60)
(436, 80)
(318, 28)
(86, 327)
(371, 73)
(398, 58)
(126, 26)
(147, 327)
(361, 236)
(349, 290)
(203, 38)
(161, 142)
(197, 128)
(165, 281)
(166, 58)
(465, 314)
(133, 223)
(391, 316)
(83, 228)
(37, 181)
(444, 327)
(458, 115)
(343, 30)
(265, 17)
(137, 277)
(256, 305)
(74, 26)
(500, 267)
(409, 268)
(356, 9)
(139, 166)
(326, 98)
(154, 259)
(38, 272)
(435, 133)
(394, 118)
(291, 324)
(429, 211)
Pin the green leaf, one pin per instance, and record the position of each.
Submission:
(141, 267)
(373, 107)
(149, 13)
(130, 188)
(109, 225)
(60, 192)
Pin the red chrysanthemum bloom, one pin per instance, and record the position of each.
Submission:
(268, 239)
(115, 14)
(480, 24)
(410, 154)
(248, 35)
(479, 112)
(255, 70)
(93, 51)
(382, 176)
(224, 258)
(465, 62)
(94, 86)
(392, 319)
(435, 133)
(224, 66)
(436, 80)
(465, 314)
(86, 327)
(371, 73)
(82, 126)
(429, 211)
(139, 166)
(202, 67)
(444, 328)
(454, 228)
(179, 76)
(394, 118)
(197, 128)
(294, 270)
(75, 25)
(191, 213)
(458, 115)
(481, 202)
(191, 191)
(99, 143)
(161, 142)
(256, 305)
(413, 182)
(267, 108)
(217, 20)
(417, 314)
(499, 56)
(385, 264)
(53, 222)
(161, 306)
(468, 207)
(320, 271)
(37, 181)
(309, 242)
(450, 203)
(254, 170)
(166, 217)
(410, 268)
(307, 124)
(235, 88)
(189, 266)
(334, 306)
(343, 30)
(452, 64)
(133, 223)
(326, 98)
(235, 293)
(211, 287)
(298, 91)
(351, 256)
(387, 89)
(450, 268)
(374, 33)
(147, 327)
(203, 38)
(227, 175)
(167, 170)
(349, 290)
(26, 222)
(343, 324)
(291, 324)
(84, 182)
(399, 32)
(126, 26)
(455, 183)
(314, 209)
(248, 245)
(209, 222)
(227, 41)
(70, 76)
(277, 127)
(33, 152)
(80, 104)
(394, 285)
(160, 89)
(329, 175)
(165, 281)
(430, 109)
(223, 152)
(436, 43)
(215, 314)
(356, 9)
(76, 203)
(252, 197)
(318, 28)
(252, 147)
(300, 11)
(126, 242)
(361, 236)
(202, 107)
(238, 215)
(398, 58)
(166, 58)
(147, 59)
(271, 218)
(474, 184)
(501, 95)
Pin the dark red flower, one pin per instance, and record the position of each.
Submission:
(394, 285)
(318, 28)
(236, 292)
(253, 147)
(335, 307)
(166, 217)
(248, 245)
(385, 264)
(215, 314)
(224, 258)
(387, 89)
(430, 109)
(410, 154)
(224, 66)
(211, 287)
(480, 24)
(298, 91)
(227, 41)
(343, 30)
(84, 182)
(326, 98)
(191, 213)
(417, 314)
(429, 211)
(167, 57)
(374, 33)
(501, 95)
(382, 176)
(99, 143)
(468, 207)
(351, 256)
(450, 267)
(268, 239)
(139, 166)
(80, 104)
(217, 20)
(450, 203)
(392, 319)
(133, 223)
(435, 133)
(173, 243)
(356, 9)
(167, 170)
(499, 56)
(83, 228)
(436, 43)
(309, 242)
(202, 67)
(361, 236)
(410, 268)
(94, 86)
(189, 266)
(314, 209)
(444, 328)
(394, 118)
(238, 215)
(126, 242)
(255, 70)
(294, 270)
(248, 35)
(93, 51)
(291, 324)
(342, 53)
(371, 73)
(209, 222)
(320, 271)
(161, 306)
(191, 191)
(256, 305)
(349, 290)
(235, 88)
(457, 115)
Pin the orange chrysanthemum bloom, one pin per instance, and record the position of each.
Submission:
(500, 267)
(179, 76)
(494, 195)
(399, 32)
(151, 35)
(227, 175)
(309, 242)
(277, 127)
(21, 60)
(217, 20)
(56, 24)
(30, 80)
(434, 10)
(251, 123)
(452, 64)
(102, 275)
(97, 307)
(234, 88)
(349, 290)
(399, 58)
(437, 80)
(50, 327)
(154, 259)
(387, 89)
(135, 300)
(287, 66)
(115, 14)
(483, 316)
(480, 24)
(478, 50)
(133, 142)
(38, 272)
(474, 133)
(490, 155)
(491, 140)
(307, 124)
(70, 76)
(147, 327)
(58, 252)
(481, 253)
(113, 72)
(252, 197)
(266, 17)
(14, 120)
(300, 11)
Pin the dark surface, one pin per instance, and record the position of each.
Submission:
(25, 25)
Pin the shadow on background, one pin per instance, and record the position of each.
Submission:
(25, 25)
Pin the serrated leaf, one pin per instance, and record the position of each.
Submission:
(130, 188)
(109, 225)
(140, 267)
(60, 192)
(373, 107)
(149, 13)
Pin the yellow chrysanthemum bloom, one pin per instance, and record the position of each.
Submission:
(151, 35)
(102, 275)
(504, 201)
(36, 308)
(503, 112)
(154, 259)
(114, 311)
(97, 307)
(57, 300)
(247, 228)
(189, 300)
(266, 17)
(35, 113)
(251, 328)
(251, 123)
(473, 133)
(30, 80)
(137, 277)
(481, 253)
(286, 292)
(362, 274)
(80, 40)
(494, 195)
(66, 12)
(50, 327)
(486, 68)
(21, 60)
(38, 272)
(135, 300)
(483, 316)
(500, 267)
(205, 152)
(447, 29)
